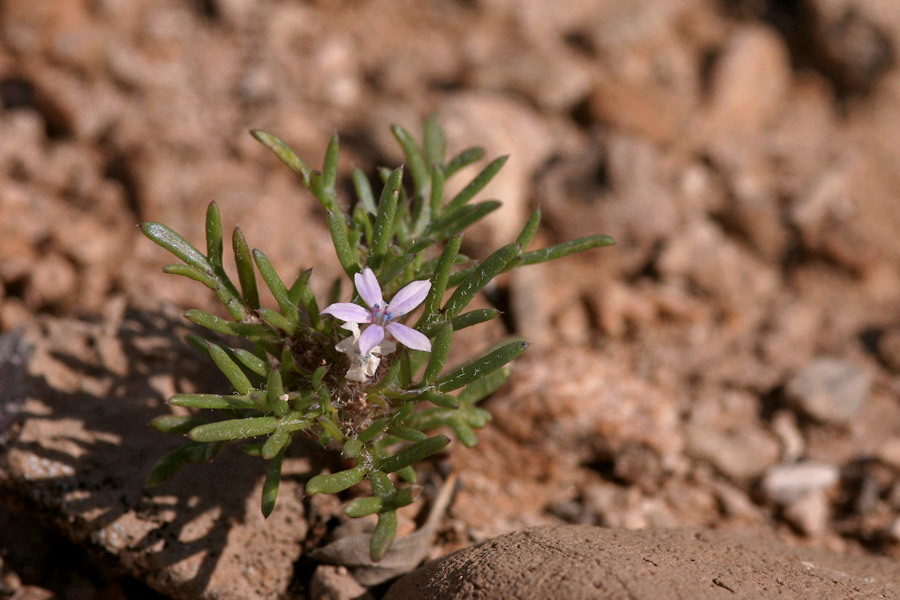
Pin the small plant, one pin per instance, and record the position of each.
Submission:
(379, 393)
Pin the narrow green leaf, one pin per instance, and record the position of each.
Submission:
(330, 166)
(395, 268)
(334, 292)
(462, 160)
(220, 325)
(384, 221)
(364, 191)
(244, 261)
(295, 292)
(192, 273)
(178, 424)
(274, 393)
(474, 317)
(231, 370)
(251, 361)
(436, 199)
(406, 434)
(351, 447)
(530, 228)
(440, 399)
(214, 247)
(452, 222)
(440, 350)
(566, 248)
(463, 432)
(476, 417)
(480, 367)
(211, 401)
(177, 245)
(273, 479)
(305, 297)
(407, 474)
(283, 152)
(335, 482)
(276, 286)
(325, 196)
(477, 184)
(233, 429)
(435, 144)
(373, 430)
(441, 277)
(413, 453)
(484, 387)
(362, 507)
(276, 444)
(417, 168)
(276, 319)
(383, 536)
(180, 457)
(492, 266)
(318, 375)
(347, 255)
(381, 484)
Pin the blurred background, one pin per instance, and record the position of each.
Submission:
(744, 154)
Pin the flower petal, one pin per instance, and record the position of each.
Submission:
(370, 337)
(408, 298)
(347, 311)
(409, 337)
(368, 288)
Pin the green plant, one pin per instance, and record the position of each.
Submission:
(294, 372)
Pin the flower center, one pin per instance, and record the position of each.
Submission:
(379, 316)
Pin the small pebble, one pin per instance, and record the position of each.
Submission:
(829, 390)
(809, 514)
(788, 483)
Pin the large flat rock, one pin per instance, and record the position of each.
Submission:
(78, 447)
(580, 562)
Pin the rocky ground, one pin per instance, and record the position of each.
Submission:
(732, 363)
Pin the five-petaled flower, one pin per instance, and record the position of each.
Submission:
(381, 317)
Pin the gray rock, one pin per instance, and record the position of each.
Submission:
(581, 562)
(740, 454)
(829, 390)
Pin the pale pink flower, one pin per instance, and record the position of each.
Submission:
(381, 317)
